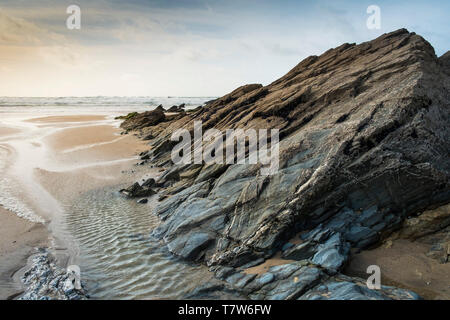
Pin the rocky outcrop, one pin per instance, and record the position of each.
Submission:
(138, 121)
(364, 143)
(138, 191)
(298, 280)
(179, 108)
(44, 280)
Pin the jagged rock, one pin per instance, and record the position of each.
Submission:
(251, 264)
(303, 281)
(351, 226)
(160, 108)
(301, 251)
(370, 217)
(224, 272)
(191, 173)
(141, 120)
(361, 236)
(215, 290)
(345, 288)
(162, 197)
(364, 143)
(179, 108)
(46, 281)
(170, 175)
(292, 286)
(323, 248)
(287, 246)
(145, 156)
(149, 183)
(332, 254)
(210, 172)
(137, 191)
(190, 245)
(166, 208)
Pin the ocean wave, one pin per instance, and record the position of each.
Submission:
(101, 101)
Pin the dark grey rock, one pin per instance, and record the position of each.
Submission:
(210, 172)
(333, 254)
(301, 251)
(370, 217)
(287, 246)
(361, 236)
(190, 245)
(215, 290)
(242, 282)
(137, 191)
(224, 272)
(292, 286)
(235, 278)
(253, 263)
(345, 288)
(149, 183)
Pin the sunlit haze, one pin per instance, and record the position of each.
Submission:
(185, 48)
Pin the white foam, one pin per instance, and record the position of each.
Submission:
(8, 200)
(20, 209)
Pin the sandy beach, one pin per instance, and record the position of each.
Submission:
(404, 263)
(50, 160)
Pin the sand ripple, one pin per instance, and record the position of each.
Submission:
(118, 260)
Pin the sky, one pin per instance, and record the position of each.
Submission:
(186, 48)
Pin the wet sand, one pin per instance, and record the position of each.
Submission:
(70, 155)
(68, 118)
(71, 138)
(404, 263)
(5, 131)
(90, 144)
(87, 158)
(18, 238)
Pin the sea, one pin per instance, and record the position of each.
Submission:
(100, 103)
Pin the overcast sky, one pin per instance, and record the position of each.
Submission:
(185, 48)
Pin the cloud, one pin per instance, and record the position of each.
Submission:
(19, 32)
(168, 47)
